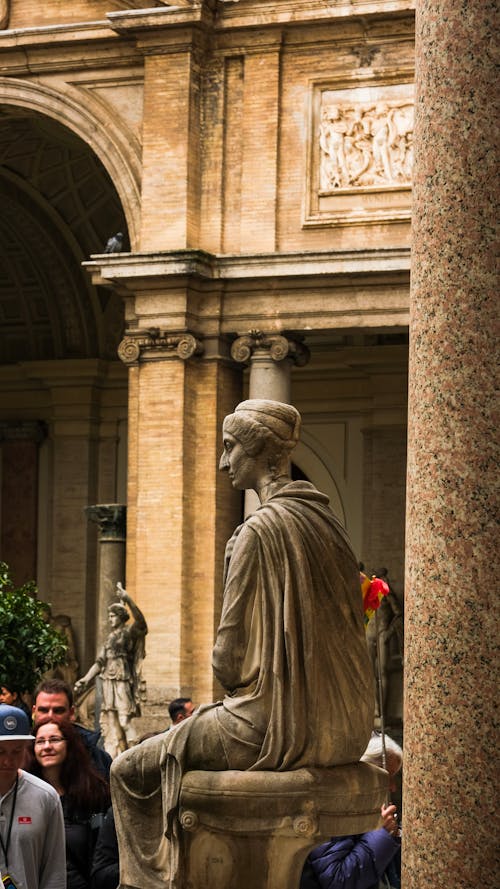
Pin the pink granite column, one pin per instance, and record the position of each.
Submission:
(451, 583)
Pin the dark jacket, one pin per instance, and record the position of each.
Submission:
(100, 759)
(81, 836)
(105, 866)
(352, 862)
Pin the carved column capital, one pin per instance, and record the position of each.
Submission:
(152, 344)
(278, 347)
(111, 518)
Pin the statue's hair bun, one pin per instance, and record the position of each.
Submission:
(280, 418)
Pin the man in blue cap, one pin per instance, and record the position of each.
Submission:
(32, 842)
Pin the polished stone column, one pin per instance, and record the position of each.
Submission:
(450, 744)
(111, 518)
(270, 358)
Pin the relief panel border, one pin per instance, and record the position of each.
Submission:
(359, 151)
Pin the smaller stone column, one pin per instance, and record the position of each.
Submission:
(111, 519)
(270, 358)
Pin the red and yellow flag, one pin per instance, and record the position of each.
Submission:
(373, 591)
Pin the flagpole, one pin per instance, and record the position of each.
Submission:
(380, 695)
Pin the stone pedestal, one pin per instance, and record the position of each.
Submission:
(451, 741)
(255, 829)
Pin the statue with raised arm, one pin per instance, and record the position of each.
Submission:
(118, 666)
(290, 652)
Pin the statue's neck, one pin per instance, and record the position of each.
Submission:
(270, 488)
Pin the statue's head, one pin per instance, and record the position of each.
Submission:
(266, 431)
(118, 614)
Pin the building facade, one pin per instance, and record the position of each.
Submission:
(256, 158)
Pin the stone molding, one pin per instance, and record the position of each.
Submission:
(278, 346)
(200, 264)
(151, 344)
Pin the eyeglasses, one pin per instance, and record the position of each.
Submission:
(41, 742)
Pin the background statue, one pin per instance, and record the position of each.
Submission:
(390, 647)
(290, 652)
(118, 666)
(69, 669)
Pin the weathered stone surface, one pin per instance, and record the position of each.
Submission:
(451, 661)
(261, 825)
(291, 655)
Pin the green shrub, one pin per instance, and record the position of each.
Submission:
(29, 646)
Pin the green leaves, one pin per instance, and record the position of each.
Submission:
(29, 645)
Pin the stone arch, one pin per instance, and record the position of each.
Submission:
(57, 313)
(110, 143)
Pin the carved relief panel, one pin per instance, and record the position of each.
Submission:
(361, 154)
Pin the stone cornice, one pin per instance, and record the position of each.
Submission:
(297, 12)
(135, 20)
(55, 35)
(134, 268)
(59, 48)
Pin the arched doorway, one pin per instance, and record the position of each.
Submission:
(63, 392)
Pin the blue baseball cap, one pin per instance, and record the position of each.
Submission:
(14, 724)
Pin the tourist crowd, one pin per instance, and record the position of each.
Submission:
(57, 827)
(56, 819)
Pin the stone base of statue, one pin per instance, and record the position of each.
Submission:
(253, 830)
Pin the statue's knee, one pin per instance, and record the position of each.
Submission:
(125, 768)
(138, 768)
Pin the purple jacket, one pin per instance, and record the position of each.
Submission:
(352, 862)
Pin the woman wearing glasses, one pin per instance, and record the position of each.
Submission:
(60, 758)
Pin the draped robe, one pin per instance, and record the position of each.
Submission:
(292, 655)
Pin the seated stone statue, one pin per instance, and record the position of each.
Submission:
(290, 652)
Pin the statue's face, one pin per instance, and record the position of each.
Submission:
(115, 619)
(243, 470)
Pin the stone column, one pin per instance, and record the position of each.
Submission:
(270, 359)
(450, 744)
(111, 519)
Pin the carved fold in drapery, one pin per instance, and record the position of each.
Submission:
(150, 344)
(278, 346)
